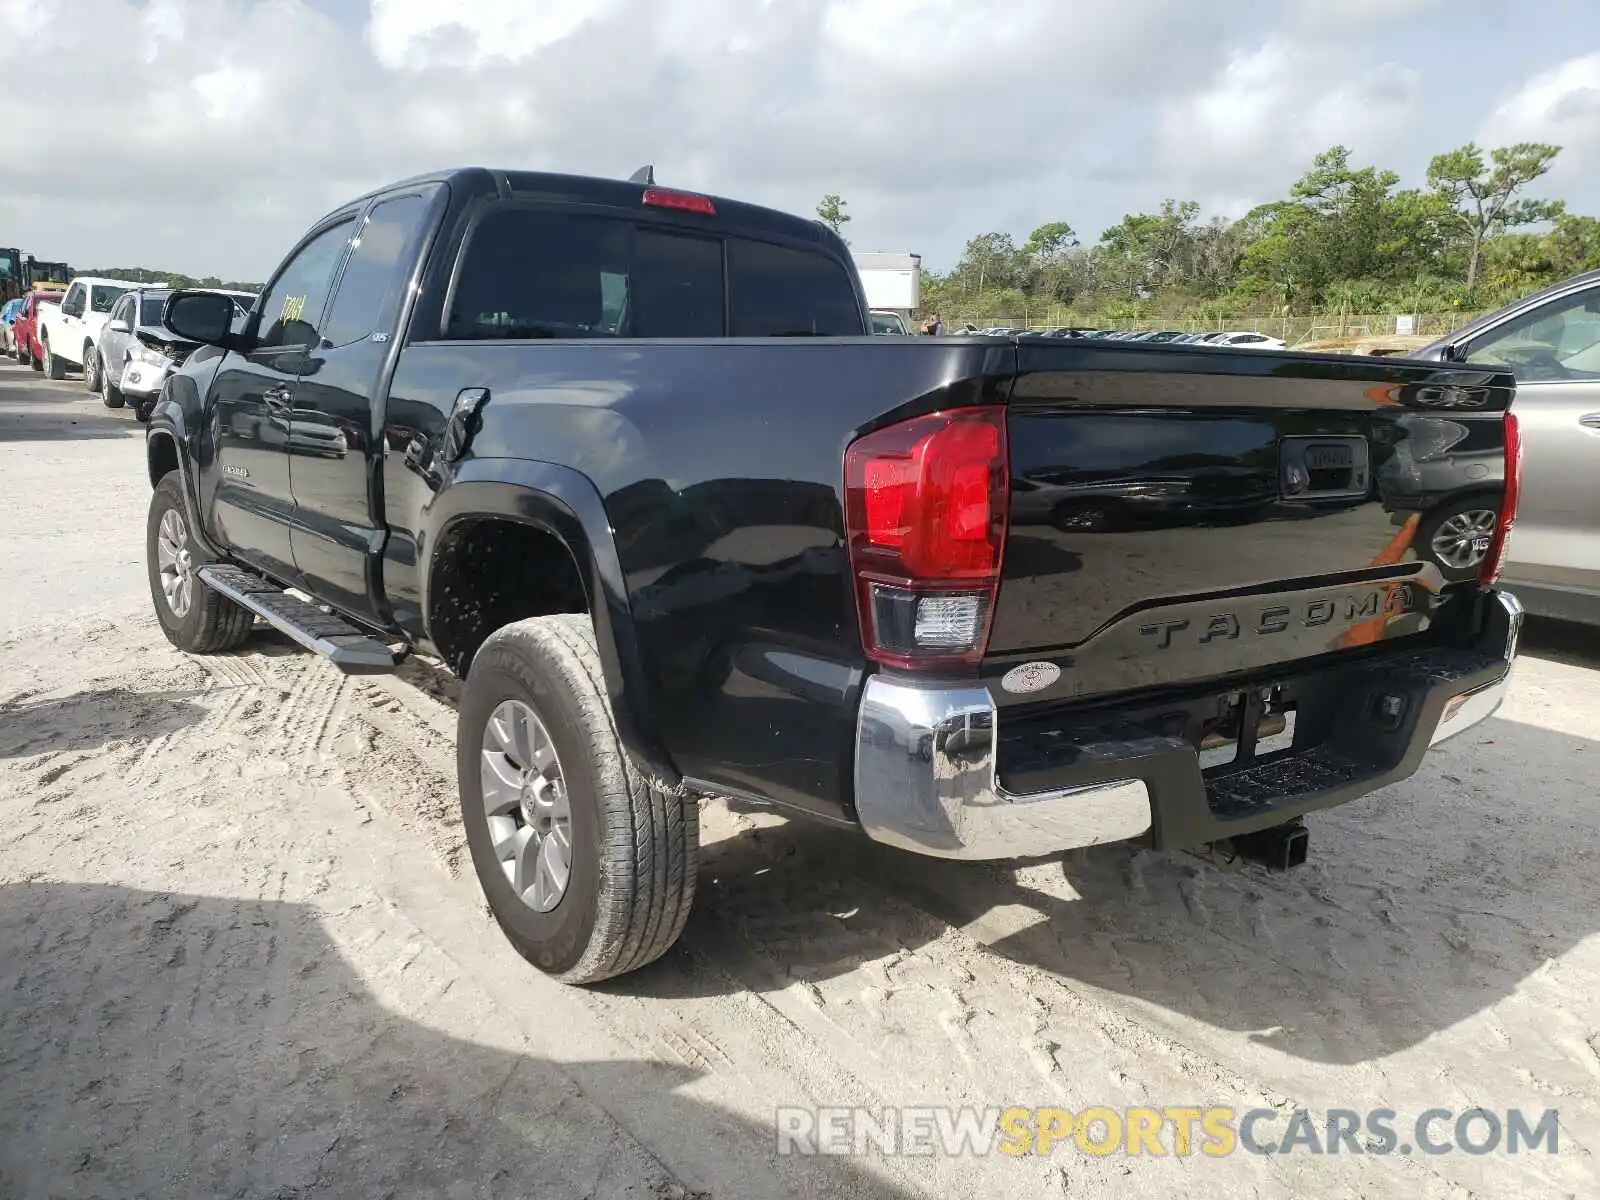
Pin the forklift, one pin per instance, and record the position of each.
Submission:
(21, 274)
(40, 275)
(11, 274)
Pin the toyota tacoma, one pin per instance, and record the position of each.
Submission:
(629, 461)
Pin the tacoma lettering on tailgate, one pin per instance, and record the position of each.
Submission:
(1387, 600)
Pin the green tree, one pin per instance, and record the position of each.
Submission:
(1574, 245)
(990, 261)
(1146, 251)
(832, 213)
(1046, 261)
(1335, 226)
(1484, 195)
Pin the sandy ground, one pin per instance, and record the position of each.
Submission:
(241, 953)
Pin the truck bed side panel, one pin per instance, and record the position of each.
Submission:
(720, 465)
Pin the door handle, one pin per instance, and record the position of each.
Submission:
(1590, 421)
(463, 422)
(278, 397)
(419, 458)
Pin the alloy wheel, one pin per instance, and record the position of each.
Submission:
(526, 803)
(175, 563)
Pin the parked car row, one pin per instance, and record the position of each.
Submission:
(109, 329)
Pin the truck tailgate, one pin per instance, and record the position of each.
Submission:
(1183, 514)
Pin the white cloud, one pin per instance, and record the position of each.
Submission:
(415, 34)
(205, 136)
(1560, 106)
(1278, 105)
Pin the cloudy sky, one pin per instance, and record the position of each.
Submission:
(203, 135)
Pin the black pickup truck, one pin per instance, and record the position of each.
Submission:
(629, 461)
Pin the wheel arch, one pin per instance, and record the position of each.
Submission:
(546, 506)
(167, 450)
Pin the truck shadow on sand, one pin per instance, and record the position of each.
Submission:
(90, 720)
(1420, 906)
(178, 1045)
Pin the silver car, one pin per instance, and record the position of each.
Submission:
(137, 352)
(1551, 341)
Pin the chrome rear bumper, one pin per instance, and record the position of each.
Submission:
(926, 765)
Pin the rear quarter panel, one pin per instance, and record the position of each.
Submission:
(720, 469)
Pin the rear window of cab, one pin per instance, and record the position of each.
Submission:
(536, 273)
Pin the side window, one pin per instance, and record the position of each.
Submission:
(72, 302)
(370, 290)
(774, 291)
(1559, 340)
(124, 310)
(292, 305)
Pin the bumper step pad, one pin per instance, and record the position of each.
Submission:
(344, 645)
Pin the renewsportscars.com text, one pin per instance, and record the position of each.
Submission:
(1214, 1132)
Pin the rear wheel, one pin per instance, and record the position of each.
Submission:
(194, 618)
(54, 368)
(587, 865)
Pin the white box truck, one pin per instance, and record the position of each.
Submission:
(892, 280)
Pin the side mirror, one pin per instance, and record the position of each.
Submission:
(204, 317)
(118, 326)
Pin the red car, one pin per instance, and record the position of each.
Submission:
(25, 329)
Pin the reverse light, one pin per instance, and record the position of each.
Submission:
(682, 201)
(925, 515)
(1495, 559)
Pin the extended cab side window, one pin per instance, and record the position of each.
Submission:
(72, 302)
(1558, 340)
(293, 304)
(369, 294)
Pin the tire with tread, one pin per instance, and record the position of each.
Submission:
(213, 623)
(53, 366)
(93, 369)
(635, 846)
(110, 394)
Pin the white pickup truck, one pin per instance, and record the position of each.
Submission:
(69, 334)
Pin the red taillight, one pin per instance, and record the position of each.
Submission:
(682, 201)
(1495, 559)
(925, 515)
